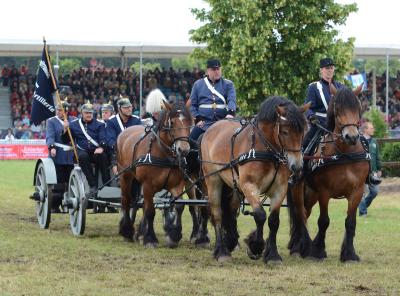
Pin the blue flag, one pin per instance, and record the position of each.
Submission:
(43, 103)
(357, 79)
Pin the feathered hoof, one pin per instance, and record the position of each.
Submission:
(251, 255)
(150, 245)
(170, 243)
(223, 259)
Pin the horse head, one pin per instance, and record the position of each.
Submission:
(289, 125)
(344, 114)
(175, 122)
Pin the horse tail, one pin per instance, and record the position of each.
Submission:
(155, 101)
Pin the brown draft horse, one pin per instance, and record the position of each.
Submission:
(246, 161)
(154, 156)
(340, 168)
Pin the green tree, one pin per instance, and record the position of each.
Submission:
(67, 65)
(145, 67)
(272, 47)
(187, 63)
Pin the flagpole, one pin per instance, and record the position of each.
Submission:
(59, 100)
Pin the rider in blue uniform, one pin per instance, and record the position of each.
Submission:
(319, 94)
(62, 155)
(212, 98)
(90, 139)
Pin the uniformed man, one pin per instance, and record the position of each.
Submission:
(319, 94)
(90, 138)
(62, 154)
(122, 120)
(212, 98)
(107, 111)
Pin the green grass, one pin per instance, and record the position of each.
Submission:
(54, 262)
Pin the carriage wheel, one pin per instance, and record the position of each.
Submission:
(77, 202)
(45, 194)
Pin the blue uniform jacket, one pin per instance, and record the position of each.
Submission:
(202, 95)
(96, 129)
(313, 96)
(113, 129)
(54, 131)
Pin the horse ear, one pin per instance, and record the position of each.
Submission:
(305, 107)
(280, 110)
(332, 89)
(167, 105)
(358, 89)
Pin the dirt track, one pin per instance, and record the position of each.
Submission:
(390, 185)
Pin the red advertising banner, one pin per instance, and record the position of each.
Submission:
(8, 151)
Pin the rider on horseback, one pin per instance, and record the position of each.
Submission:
(319, 94)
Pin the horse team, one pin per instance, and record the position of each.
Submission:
(238, 161)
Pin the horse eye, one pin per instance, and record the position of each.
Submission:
(284, 133)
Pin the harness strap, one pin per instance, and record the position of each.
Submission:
(321, 93)
(87, 135)
(213, 90)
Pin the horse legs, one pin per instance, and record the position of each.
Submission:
(214, 185)
(271, 251)
(300, 241)
(126, 228)
(194, 213)
(149, 236)
(203, 238)
(230, 205)
(348, 252)
(255, 241)
(318, 245)
(173, 219)
(173, 225)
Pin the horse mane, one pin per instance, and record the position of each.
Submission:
(154, 101)
(344, 99)
(177, 108)
(268, 112)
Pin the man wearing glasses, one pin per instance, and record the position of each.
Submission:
(319, 94)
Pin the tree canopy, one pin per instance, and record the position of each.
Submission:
(272, 47)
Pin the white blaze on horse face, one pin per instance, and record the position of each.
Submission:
(181, 117)
(295, 161)
(350, 134)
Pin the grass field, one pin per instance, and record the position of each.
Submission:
(53, 262)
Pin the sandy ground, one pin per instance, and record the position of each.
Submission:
(390, 185)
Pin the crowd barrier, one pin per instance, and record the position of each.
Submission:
(23, 149)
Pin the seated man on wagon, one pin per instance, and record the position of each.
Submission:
(89, 135)
(62, 155)
(115, 125)
(107, 112)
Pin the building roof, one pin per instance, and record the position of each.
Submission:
(89, 49)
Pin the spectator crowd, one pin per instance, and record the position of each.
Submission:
(98, 86)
